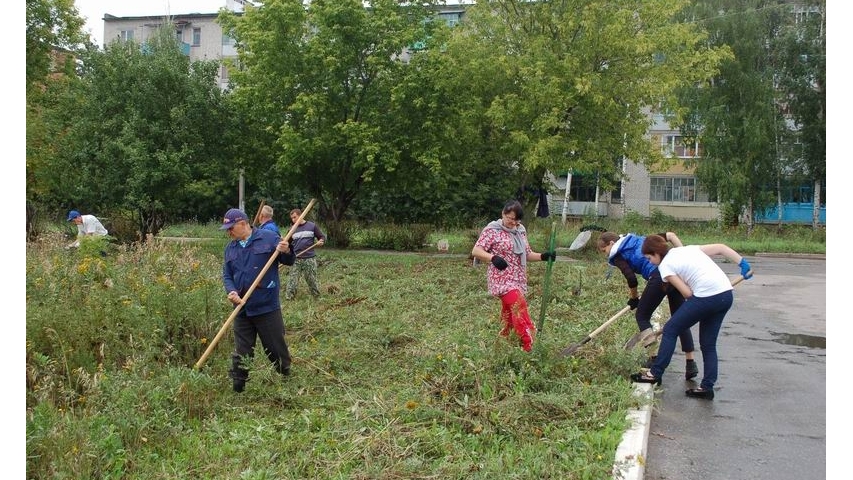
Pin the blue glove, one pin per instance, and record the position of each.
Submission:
(745, 268)
(499, 262)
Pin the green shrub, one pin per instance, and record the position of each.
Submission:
(410, 237)
(340, 234)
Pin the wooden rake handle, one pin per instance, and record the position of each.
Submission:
(308, 248)
(258, 213)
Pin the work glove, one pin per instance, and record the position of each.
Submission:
(499, 262)
(745, 268)
(633, 303)
(546, 256)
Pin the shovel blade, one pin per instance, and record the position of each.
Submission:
(581, 240)
(646, 337)
(571, 349)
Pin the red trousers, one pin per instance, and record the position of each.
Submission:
(515, 317)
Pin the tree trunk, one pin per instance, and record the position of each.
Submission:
(816, 205)
(750, 217)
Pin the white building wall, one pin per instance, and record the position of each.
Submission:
(210, 45)
(636, 187)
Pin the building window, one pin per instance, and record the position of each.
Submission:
(126, 35)
(196, 36)
(582, 188)
(616, 193)
(679, 146)
(451, 18)
(228, 41)
(676, 189)
(179, 34)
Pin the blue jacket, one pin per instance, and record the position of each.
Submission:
(631, 250)
(271, 226)
(244, 263)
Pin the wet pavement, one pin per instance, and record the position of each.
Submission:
(768, 418)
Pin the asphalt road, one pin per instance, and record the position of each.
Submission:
(768, 418)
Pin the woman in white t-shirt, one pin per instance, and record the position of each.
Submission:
(708, 297)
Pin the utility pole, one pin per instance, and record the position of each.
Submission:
(240, 190)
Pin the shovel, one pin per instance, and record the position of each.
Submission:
(572, 348)
(581, 240)
(650, 339)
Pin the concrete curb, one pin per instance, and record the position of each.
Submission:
(630, 461)
(807, 256)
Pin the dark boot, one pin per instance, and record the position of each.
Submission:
(691, 370)
(238, 374)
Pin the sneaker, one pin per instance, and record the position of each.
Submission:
(691, 370)
(700, 393)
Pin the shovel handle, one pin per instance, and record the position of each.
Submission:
(546, 290)
(571, 349)
(609, 321)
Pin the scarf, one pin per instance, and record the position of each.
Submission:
(518, 246)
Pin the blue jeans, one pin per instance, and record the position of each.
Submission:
(708, 312)
(652, 297)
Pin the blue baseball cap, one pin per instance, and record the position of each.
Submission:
(232, 217)
(72, 215)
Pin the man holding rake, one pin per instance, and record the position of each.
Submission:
(306, 236)
(245, 257)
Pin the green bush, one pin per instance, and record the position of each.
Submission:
(410, 237)
(340, 234)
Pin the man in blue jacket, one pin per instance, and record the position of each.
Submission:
(245, 257)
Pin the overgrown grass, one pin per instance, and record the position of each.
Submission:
(398, 370)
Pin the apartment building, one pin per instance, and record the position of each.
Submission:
(198, 34)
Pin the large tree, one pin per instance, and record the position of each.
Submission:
(54, 38)
(315, 83)
(802, 82)
(54, 27)
(150, 135)
(739, 115)
(569, 85)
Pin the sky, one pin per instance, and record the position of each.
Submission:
(93, 11)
